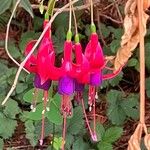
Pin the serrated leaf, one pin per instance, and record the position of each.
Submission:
(114, 111)
(21, 87)
(38, 23)
(28, 96)
(25, 38)
(27, 6)
(54, 114)
(114, 46)
(76, 123)
(1, 143)
(7, 126)
(14, 51)
(37, 115)
(11, 109)
(104, 146)
(100, 130)
(79, 144)
(4, 5)
(130, 107)
(112, 134)
(104, 30)
(30, 132)
(69, 141)
(57, 143)
(132, 62)
(116, 115)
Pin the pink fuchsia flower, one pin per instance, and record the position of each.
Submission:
(37, 64)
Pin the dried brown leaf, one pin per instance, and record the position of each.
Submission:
(134, 142)
(130, 38)
(147, 141)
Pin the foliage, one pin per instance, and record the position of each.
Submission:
(109, 136)
(121, 106)
(9, 4)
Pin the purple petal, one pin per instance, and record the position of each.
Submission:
(66, 85)
(37, 83)
(79, 87)
(96, 79)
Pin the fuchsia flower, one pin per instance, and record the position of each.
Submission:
(35, 65)
(71, 77)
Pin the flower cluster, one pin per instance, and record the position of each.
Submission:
(72, 76)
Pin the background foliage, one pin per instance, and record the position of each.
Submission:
(120, 95)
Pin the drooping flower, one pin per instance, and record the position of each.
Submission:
(37, 64)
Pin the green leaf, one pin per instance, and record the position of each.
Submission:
(7, 126)
(11, 109)
(25, 38)
(28, 96)
(79, 144)
(130, 106)
(121, 107)
(1, 143)
(104, 146)
(132, 62)
(104, 30)
(57, 143)
(114, 46)
(112, 134)
(30, 132)
(37, 115)
(4, 5)
(148, 87)
(113, 82)
(114, 111)
(21, 87)
(14, 51)
(27, 6)
(100, 130)
(38, 23)
(74, 125)
(69, 141)
(54, 114)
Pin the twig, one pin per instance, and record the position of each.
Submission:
(119, 13)
(100, 30)
(32, 50)
(7, 34)
(77, 8)
(108, 17)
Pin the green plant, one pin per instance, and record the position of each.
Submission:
(122, 106)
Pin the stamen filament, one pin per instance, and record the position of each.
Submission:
(64, 130)
(34, 101)
(86, 118)
(43, 116)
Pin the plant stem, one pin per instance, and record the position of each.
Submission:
(75, 20)
(70, 15)
(33, 49)
(142, 63)
(7, 35)
(92, 13)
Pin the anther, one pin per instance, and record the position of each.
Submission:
(96, 96)
(47, 108)
(34, 109)
(43, 112)
(90, 108)
(31, 107)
